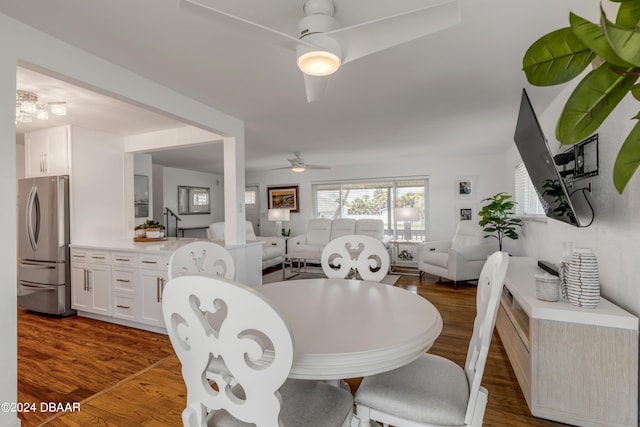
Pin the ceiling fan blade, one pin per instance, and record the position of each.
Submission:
(373, 36)
(316, 86)
(250, 28)
(277, 169)
(317, 167)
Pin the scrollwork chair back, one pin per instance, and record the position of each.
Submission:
(201, 258)
(251, 355)
(363, 254)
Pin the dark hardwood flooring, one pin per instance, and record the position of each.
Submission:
(127, 377)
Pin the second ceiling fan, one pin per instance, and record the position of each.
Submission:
(322, 46)
(299, 165)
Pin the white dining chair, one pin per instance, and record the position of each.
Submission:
(250, 348)
(202, 258)
(361, 255)
(432, 390)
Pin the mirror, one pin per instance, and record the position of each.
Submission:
(193, 200)
(141, 195)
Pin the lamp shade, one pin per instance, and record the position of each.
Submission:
(279, 215)
(407, 214)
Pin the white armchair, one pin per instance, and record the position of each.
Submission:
(460, 259)
(273, 248)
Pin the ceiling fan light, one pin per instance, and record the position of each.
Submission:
(318, 63)
(297, 168)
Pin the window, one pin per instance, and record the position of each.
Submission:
(250, 197)
(373, 199)
(528, 203)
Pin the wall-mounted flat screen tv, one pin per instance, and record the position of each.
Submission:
(538, 160)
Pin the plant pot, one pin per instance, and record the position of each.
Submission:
(153, 233)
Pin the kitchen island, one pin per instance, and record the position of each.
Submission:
(121, 281)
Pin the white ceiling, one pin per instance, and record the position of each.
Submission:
(457, 90)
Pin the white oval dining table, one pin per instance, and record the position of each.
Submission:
(350, 328)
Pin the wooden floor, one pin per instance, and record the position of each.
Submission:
(126, 377)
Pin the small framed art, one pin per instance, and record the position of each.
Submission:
(465, 187)
(284, 198)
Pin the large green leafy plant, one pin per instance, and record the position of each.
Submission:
(614, 51)
(497, 217)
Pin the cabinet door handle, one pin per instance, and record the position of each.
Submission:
(89, 278)
(122, 259)
(86, 279)
(149, 262)
(160, 282)
(123, 306)
(123, 280)
(97, 257)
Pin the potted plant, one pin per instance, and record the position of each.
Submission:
(150, 229)
(613, 52)
(497, 217)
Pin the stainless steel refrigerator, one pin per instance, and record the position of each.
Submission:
(44, 277)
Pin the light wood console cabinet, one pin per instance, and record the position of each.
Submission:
(574, 365)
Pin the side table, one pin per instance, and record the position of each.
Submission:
(404, 265)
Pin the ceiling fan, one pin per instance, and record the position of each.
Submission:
(299, 165)
(322, 46)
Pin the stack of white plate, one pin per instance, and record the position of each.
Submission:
(583, 282)
(547, 287)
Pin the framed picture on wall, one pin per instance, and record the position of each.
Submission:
(466, 212)
(465, 187)
(284, 198)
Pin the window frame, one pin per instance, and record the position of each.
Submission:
(393, 185)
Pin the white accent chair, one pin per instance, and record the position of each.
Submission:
(220, 325)
(460, 259)
(360, 255)
(432, 390)
(273, 248)
(203, 258)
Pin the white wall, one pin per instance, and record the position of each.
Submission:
(173, 177)
(490, 173)
(615, 233)
(96, 192)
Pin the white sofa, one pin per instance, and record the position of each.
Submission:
(320, 231)
(460, 259)
(273, 248)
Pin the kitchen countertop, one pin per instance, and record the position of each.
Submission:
(164, 246)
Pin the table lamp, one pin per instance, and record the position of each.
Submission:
(408, 215)
(279, 215)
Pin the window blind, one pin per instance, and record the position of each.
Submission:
(528, 203)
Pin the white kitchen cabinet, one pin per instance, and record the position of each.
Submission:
(151, 286)
(152, 277)
(47, 152)
(91, 283)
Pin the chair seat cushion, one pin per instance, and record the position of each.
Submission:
(304, 403)
(306, 251)
(430, 390)
(436, 258)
